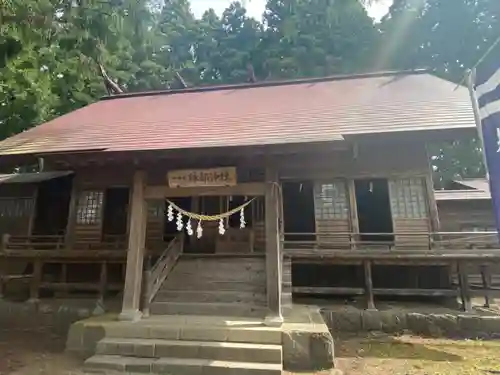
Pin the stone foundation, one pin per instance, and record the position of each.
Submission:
(438, 324)
(306, 340)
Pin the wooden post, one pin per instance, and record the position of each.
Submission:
(103, 281)
(486, 276)
(135, 256)
(36, 280)
(463, 280)
(70, 226)
(370, 304)
(353, 212)
(273, 249)
(146, 302)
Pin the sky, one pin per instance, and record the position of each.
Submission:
(255, 8)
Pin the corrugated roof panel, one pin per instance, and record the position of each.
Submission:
(475, 183)
(31, 178)
(297, 112)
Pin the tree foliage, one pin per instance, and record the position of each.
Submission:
(447, 36)
(50, 50)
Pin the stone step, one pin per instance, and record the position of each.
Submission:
(215, 350)
(196, 308)
(245, 286)
(241, 264)
(211, 296)
(203, 328)
(178, 366)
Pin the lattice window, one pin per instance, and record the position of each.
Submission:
(89, 207)
(331, 201)
(408, 198)
(16, 207)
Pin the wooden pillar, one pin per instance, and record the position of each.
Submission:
(463, 279)
(70, 226)
(36, 280)
(353, 212)
(135, 256)
(103, 281)
(486, 277)
(367, 266)
(274, 254)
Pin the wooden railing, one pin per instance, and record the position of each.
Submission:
(155, 276)
(52, 242)
(392, 241)
(58, 242)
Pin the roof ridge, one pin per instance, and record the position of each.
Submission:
(275, 83)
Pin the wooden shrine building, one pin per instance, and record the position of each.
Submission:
(257, 185)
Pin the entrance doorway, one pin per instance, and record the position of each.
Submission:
(52, 206)
(115, 211)
(298, 211)
(374, 210)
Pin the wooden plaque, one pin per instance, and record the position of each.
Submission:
(203, 177)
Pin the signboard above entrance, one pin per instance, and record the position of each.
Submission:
(203, 177)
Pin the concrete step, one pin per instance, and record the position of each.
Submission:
(177, 366)
(245, 286)
(215, 350)
(196, 308)
(200, 328)
(210, 296)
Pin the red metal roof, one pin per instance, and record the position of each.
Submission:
(264, 114)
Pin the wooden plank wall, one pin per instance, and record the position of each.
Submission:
(464, 215)
(333, 219)
(467, 215)
(367, 160)
(22, 199)
(410, 212)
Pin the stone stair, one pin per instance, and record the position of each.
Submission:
(189, 345)
(204, 285)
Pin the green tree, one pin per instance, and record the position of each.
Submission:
(447, 36)
(228, 46)
(27, 42)
(317, 37)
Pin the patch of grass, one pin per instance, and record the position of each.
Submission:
(409, 355)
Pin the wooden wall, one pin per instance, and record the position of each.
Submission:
(88, 200)
(17, 208)
(465, 215)
(404, 165)
(364, 160)
(396, 161)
